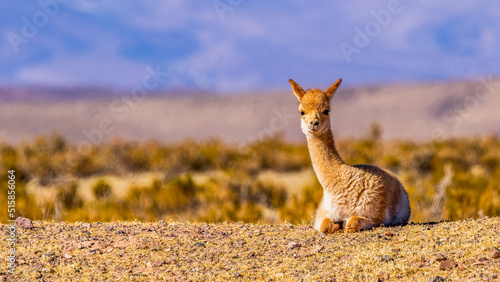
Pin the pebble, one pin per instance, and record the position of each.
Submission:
(435, 279)
(318, 249)
(387, 258)
(436, 257)
(447, 264)
(293, 245)
(86, 225)
(24, 223)
(494, 252)
(382, 275)
(48, 270)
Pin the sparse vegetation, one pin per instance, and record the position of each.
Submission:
(213, 182)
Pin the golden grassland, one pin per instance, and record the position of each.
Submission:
(174, 251)
(267, 181)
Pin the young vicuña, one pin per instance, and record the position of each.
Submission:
(354, 197)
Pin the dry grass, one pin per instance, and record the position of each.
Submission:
(136, 251)
(270, 181)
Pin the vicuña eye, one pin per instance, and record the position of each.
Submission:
(326, 112)
(302, 113)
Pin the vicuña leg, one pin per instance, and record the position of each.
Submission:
(328, 226)
(354, 224)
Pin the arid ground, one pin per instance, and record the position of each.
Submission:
(138, 251)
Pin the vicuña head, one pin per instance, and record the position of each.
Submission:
(314, 108)
(354, 197)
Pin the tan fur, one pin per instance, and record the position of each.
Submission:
(354, 197)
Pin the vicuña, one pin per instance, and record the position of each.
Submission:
(354, 197)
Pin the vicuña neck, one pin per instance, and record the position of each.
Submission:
(324, 156)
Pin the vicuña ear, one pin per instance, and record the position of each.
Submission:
(333, 88)
(297, 90)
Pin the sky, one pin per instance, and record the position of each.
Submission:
(238, 46)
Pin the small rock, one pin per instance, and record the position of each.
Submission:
(293, 245)
(382, 275)
(159, 262)
(121, 244)
(318, 249)
(436, 257)
(494, 252)
(279, 275)
(387, 258)
(161, 222)
(480, 261)
(396, 250)
(435, 279)
(236, 274)
(68, 256)
(48, 270)
(421, 264)
(199, 245)
(389, 234)
(322, 234)
(85, 244)
(24, 223)
(156, 263)
(461, 267)
(447, 264)
(86, 225)
(110, 227)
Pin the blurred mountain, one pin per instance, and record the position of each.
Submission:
(411, 111)
(44, 94)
